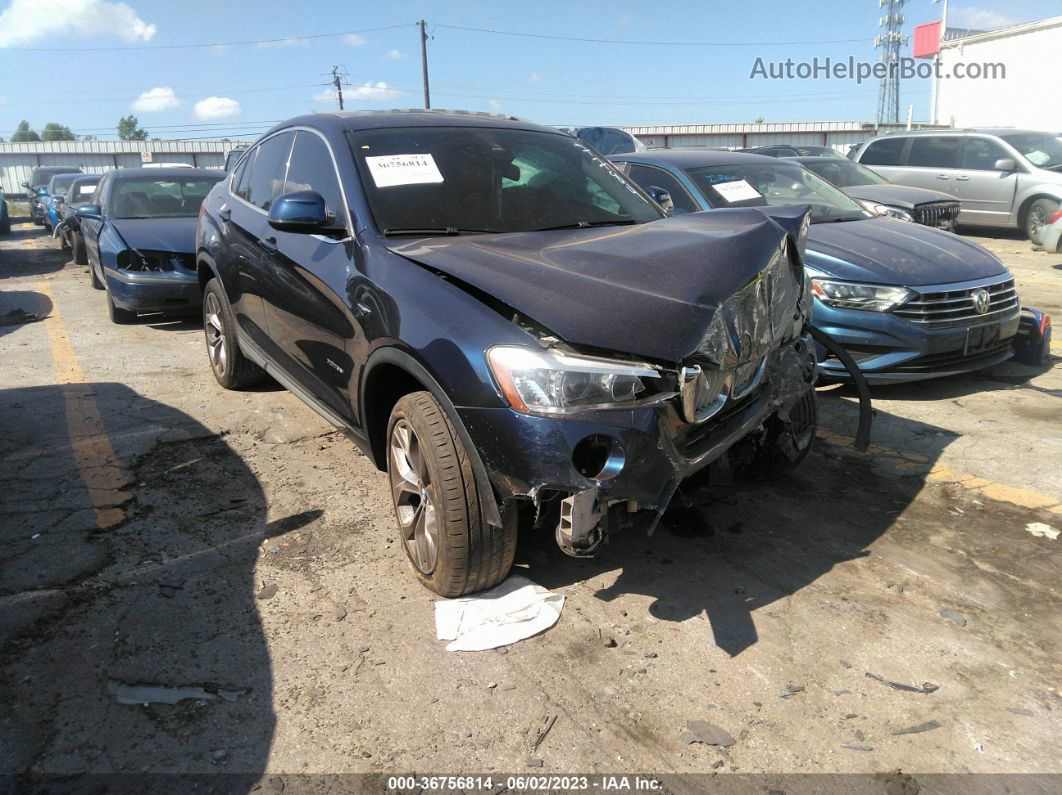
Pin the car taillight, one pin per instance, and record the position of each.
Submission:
(1056, 217)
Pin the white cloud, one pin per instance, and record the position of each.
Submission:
(288, 41)
(26, 21)
(978, 18)
(534, 77)
(328, 95)
(371, 92)
(395, 55)
(494, 104)
(154, 100)
(354, 40)
(216, 108)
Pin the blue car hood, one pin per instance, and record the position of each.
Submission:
(888, 251)
(158, 234)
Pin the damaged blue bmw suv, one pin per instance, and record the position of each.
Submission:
(506, 325)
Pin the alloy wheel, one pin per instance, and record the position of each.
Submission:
(414, 497)
(215, 334)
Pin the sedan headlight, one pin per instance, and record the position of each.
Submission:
(550, 382)
(850, 295)
(885, 209)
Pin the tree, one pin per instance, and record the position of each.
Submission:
(24, 133)
(57, 132)
(128, 130)
(758, 120)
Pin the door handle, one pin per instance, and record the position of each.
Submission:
(225, 214)
(962, 179)
(942, 176)
(268, 243)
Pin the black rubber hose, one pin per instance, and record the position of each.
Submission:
(862, 437)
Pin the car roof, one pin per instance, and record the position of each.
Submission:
(166, 173)
(697, 158)
(82, 178)
(813, 159)
(342, 121)
(965, 131)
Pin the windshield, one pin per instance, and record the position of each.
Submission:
(845, 173)
(82, 190)
(1040, 149)
(783, 183)
(448, 180)
(60, 184)
(160, 198)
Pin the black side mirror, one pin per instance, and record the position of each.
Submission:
(661, 197)
(303, 212)
(26, 185)
(89, 211)
(1006, 164)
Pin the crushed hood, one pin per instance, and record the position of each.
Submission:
(888, 251)
(898, 195)
(651, 290)
(158, 234)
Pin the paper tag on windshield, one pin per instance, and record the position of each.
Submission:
(391, 170)
(737, 191)
(83, 189)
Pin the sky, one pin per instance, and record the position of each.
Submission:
(197, 69)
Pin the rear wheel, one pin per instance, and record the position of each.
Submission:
(781, 445)
(1036, 218)
(77, 245)
(231, 368)
(452, 550)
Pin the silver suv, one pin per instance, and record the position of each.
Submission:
(1003, 177)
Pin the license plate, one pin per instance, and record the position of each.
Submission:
(981, 338)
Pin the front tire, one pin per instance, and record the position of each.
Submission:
(123, 317)
(1037, 216)
(231, 368)
(780, 446)
(77, 245)
(452, 550)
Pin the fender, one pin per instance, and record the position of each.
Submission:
(488, 505)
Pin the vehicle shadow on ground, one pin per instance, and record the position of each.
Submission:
(127, 583)
(20, 260)
(733, 549)
(19, 307)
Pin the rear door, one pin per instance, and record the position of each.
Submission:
(248, 238)
(308, 279)
(886, 156)
(90, 227)
(987, 194)
(932, 163)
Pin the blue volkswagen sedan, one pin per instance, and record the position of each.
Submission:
(905, 300)
(140, 239)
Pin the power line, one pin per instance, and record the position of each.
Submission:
(281, 40)
(650, 43)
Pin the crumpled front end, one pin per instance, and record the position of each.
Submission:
(591, 471)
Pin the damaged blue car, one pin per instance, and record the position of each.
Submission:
(140, 239)
(506, 325)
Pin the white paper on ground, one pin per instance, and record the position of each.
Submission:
(509, 612)
(1042, 530)
(391, 170)
(736, 191)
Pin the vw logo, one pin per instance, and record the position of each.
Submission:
(981, 299)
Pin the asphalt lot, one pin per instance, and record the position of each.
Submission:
(156, 530)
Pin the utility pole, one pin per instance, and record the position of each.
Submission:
(424, 62)
(338, 84)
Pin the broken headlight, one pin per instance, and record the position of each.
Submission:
(149, 261)
(851, 295)
(887, 210)
(551, 382)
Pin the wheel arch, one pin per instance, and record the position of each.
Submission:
(1023, 209)
(391, 373)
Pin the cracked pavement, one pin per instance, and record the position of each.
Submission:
(253, 558)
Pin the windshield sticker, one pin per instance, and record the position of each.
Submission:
(83, 189)
(389, 171)
(737, 191)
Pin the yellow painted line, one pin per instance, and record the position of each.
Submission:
(92, 449)
(1000, 492)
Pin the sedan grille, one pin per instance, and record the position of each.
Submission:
(960, 307)
(938, 214)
